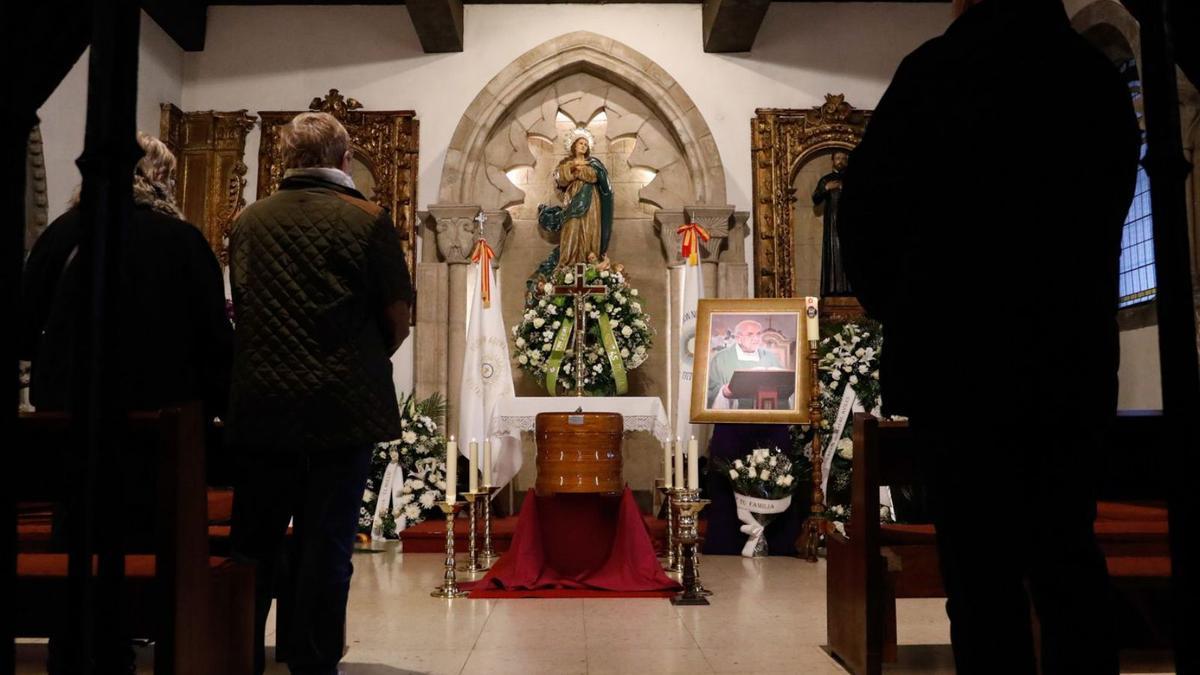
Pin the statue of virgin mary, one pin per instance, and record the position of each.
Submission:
(584, 218)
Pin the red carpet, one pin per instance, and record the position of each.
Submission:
(577, 546)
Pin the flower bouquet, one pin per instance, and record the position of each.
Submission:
(763, 483)
(408, 475)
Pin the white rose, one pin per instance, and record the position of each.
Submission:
(853, 379)
(640, 350)
(522, 359)
(539, 322)
(788, 480)
(520, 342)
(836, 374)
(597, 368)
(626, 331)
(624, 353)
(552, 310)
(368, 495)
(633, 292)
(781, 480)
(874, 376)
(548, 287)
(773, 461)
(570, 311)
(604, 274)
(546, 347)
(845, 448)
(569, 279)
(542, 303)
(765, 475)
(733, 474)
(636, 307)
(737, 463)
(863, 369)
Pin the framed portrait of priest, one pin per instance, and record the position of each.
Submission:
(750, 362)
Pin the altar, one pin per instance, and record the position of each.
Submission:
(517, 414)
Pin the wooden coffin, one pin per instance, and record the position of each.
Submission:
(579, 452)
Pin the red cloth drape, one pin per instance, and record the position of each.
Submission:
(579, 541)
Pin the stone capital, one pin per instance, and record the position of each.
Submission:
(456, 230)
(666, 222)
(717, 221)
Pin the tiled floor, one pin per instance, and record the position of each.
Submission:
(767, 616)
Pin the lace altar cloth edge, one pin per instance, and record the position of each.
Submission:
(514, 415)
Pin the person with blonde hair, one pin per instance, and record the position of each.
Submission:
(322, 292)
(175, 341)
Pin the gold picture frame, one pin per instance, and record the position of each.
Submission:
(782, 142)
(775, 360)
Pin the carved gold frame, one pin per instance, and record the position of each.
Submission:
(794, 307)
(783, 140)
(386, 141)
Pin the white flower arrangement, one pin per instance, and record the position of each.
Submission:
(536, 333)
(765, 472)
(420, 452)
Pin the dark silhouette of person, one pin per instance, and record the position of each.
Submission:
(996, 282)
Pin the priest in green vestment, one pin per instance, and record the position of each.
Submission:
(746, 353)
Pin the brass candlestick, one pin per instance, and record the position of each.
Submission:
(817, 524)
(672, 559)
(449, 588)
(688, 505)
(489, 554)
(472, 564)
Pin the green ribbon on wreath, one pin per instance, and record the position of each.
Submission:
(614, 355)
(556, 354)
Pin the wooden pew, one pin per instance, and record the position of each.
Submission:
(198, 609)
(874, 564)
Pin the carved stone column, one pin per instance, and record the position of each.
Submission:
(733, 273)
(456, 231)
(431, 349)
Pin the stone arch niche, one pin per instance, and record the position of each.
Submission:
(665, 169)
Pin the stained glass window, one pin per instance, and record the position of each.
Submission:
(1138, 282)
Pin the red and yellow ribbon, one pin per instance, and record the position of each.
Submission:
(483, 255)
(692, 234)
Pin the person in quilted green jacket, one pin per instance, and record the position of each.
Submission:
(321, 297)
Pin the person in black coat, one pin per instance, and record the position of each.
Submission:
(176, 342)
(981, 222)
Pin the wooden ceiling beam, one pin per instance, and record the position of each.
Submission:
(732, 25)
(439, 24)
(184, 20)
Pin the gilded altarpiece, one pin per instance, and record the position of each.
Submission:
(211, 174)
(384, 143)
(785, 142)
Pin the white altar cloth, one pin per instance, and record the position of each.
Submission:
(641, 413)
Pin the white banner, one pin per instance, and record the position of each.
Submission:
(693, 290)
(747, 506)
(486, 377)
(389, 493)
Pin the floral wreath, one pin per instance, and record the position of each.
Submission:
(416, 464)
(848, 356)
(619, 335)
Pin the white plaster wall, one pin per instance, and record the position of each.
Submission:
(160, 80)
(275, 57)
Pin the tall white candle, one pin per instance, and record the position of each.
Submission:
(693, 465)
(667, 464)
(473, 466)
(811, 326)
(451, 471)
(487, 462)
(679, 464)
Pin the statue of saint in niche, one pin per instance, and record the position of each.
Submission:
(584, 220)
(829, 192)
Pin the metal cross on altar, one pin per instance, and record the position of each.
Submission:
(580, 291)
